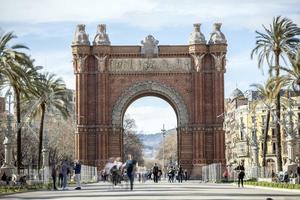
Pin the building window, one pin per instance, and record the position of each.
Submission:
(274, 148)
(263, 119)
(242, 135)
(273, 133)
(253, 119)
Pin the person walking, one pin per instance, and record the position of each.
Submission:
(185, 175)
(130, 167)
(77, 169)
(180, 174)
(54, 175)
(155, 173)
(65, 172)
(60, 176)
(298, 173)
(241, 175)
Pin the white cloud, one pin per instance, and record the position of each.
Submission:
(149, 13)
(150, 119)
(57, 62)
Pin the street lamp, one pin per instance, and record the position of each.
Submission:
(7, 167)
(163, 131)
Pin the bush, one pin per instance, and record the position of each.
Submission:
(275, 185)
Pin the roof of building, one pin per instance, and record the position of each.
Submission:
(237, 94)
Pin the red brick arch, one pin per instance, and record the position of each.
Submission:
(189, 77)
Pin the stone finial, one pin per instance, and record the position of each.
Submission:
(196, 36)
(149, 46)
(81, 38)
(101, 37)
(217, 37)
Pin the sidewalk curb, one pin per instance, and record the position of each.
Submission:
(271, 188)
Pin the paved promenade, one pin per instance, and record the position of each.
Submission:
(163, 190)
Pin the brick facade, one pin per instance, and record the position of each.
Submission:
(200, 90)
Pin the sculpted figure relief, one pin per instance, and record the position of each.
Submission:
(150, 64)
(198, 61)
(218, 61)
(101, 37)
(80, 37)
(80, 62)
(217, 37)
(149, 46)
(101, 63)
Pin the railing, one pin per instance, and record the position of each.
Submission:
(88, 173)
(212, 172)
(216, 173)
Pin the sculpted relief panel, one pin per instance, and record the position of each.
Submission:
(150, 64)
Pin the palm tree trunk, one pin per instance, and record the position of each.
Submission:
(19, 129)
(278, 131)
(265, 144)
(41, 136)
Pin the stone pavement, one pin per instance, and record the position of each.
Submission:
(162, 190)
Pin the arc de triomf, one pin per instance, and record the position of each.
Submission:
(189, 77)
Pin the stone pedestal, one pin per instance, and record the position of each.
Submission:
(7, 167)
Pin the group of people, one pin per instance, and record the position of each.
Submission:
(62, 172)
(116, 171)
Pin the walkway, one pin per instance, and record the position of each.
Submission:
(149, 190)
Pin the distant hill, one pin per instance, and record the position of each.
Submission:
(152, 142)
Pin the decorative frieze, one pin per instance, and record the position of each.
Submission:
(150, 64)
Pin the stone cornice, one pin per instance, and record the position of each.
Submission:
(218, 48)
(81, 50)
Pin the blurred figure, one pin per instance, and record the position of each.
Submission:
(130, 167)
(155, 173)
(77, 169)
(54, 175)
(241, 175)
(65, 171)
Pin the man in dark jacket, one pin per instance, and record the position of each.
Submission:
(77, 169)
(155, 173)
(241, 175)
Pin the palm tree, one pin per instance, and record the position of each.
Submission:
(49, 93)
(267, 94)
(294, 72)
(278, 40)
(14, 65)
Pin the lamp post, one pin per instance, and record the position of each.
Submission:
(254, 145)
(163, 131)
(7, 167)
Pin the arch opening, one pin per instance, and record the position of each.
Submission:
(144, 119)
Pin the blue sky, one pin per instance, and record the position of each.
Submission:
(47, 27)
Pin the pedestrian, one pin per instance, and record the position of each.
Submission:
(185, 175)
(65, 171)
(77, 169)
(225, 175)
(180, 174)
(60, 177)
(54, 175)
(130, 168)
(155, 173)
(298, 173)
(241, 174)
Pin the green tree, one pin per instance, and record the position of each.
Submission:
(14, 66)
(132, 144)
(278, 40)
(48, 93)
(267, 94)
